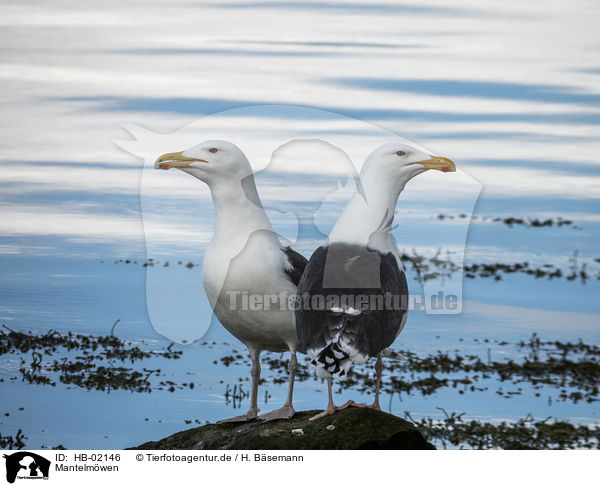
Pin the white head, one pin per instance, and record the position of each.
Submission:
(368, 217)
(400, 162)
(212, 161)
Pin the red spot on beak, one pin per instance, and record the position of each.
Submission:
(445, 168)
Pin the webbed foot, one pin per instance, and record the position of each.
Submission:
(251, 415)
(283, 413)
(332, 409)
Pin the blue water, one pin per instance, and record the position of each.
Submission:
(468, 83)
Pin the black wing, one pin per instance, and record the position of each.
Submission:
(375, 328)
(298, 263)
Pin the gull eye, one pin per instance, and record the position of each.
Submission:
(400, 153)
(213, 150)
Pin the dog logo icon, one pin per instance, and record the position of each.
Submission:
(27, 465)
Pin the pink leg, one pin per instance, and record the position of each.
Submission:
(287, 411)
(255, 373)
(378, 370)
(331, 408)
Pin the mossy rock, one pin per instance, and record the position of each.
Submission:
(352, 428)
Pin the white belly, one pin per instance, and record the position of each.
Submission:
(249, 294)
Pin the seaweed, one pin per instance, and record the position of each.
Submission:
(525, 433)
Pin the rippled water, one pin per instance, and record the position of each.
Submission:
(509, 92)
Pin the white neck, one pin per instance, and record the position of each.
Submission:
(238, 212)
(240, 220)
(368, 217)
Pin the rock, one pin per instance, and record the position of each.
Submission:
(352, 428)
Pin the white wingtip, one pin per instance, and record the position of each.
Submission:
(346, 310)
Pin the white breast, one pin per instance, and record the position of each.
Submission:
(256, 272)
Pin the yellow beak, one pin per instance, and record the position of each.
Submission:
(174, 159)
(437, 163)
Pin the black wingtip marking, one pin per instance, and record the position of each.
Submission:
(298, 263)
